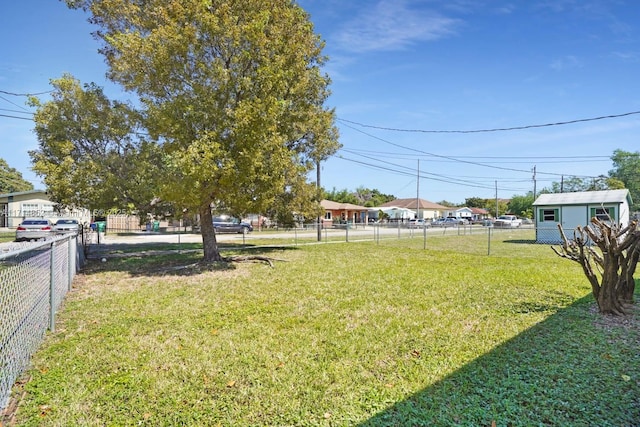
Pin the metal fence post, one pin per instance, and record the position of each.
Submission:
(70, 262)
(424, 232)
(52, 288)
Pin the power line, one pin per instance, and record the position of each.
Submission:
(502, 159)
(455, 159)
(16, 111)
(568, 122)
(464, 184)
(16, 117)
(25, 94)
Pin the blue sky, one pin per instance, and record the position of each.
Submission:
(402, 71)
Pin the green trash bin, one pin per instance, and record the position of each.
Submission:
(156, 225)
(101, 226)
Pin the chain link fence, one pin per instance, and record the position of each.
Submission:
(34, 279)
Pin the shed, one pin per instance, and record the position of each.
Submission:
(576, 209)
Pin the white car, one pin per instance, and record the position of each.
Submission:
(507, 221)
(449, 222)
(33, 229)
(64, 225)
(418, 223)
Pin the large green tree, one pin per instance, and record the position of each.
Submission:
(522, 206)
(232, 89)
(573, 184)
(626, 168)
(90, 153)
(11, 180)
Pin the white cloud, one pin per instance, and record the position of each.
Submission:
(627, 56)
(393, 25)
(566, 62)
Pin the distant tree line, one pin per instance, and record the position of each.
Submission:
(361, 196)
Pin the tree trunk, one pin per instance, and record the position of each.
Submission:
(209, 242)
(628, 284)
(616, 260)
(608, 298)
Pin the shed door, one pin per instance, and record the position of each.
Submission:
(573, 216)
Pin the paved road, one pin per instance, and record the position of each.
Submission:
(368, 232)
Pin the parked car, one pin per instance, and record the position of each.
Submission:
(418, 223)
(64, 226)
(34, 229)
(229, 224)
(507, 221)
(448, 222)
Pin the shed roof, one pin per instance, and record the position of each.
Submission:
(584, 198)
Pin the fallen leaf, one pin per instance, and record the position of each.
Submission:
(389, 385)
(626, 377)
(327, 415)
(415, 353)
(231, 384)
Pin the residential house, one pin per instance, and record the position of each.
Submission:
(421, 208)
(14, 207)
(479, 214)
(342, 213)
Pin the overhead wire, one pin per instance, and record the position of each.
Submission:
(502, 159)
(458, 159)
(425, 175)
(455, 159)
(567, 122)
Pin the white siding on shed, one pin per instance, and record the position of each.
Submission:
(576, 209)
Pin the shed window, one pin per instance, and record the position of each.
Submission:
(549, 215)
(604, 214)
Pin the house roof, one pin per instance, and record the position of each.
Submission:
(479, 211)
(584, 197)
(330, 205)
(411, 204)
(23, 193)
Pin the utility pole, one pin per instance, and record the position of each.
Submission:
(497, 207)
(319, 189)
(533, 210)
(418, 192)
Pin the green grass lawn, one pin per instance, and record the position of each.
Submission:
(365, 334)
(6, 236)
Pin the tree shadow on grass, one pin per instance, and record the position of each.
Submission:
(576, 368)
(162, 259)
